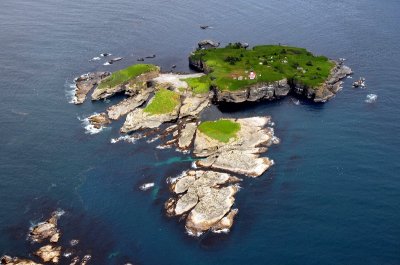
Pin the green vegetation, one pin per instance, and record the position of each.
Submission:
(221, 130)
(124, 75)
(199, 85)
(164, 101)
(231, 66)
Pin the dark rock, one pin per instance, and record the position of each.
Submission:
(207, 44)
(140, 59)
(151, 56)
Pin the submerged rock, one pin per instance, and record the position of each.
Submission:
(7, 260)
(85, 83)
(49, 253)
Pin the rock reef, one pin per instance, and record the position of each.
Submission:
(206, 196)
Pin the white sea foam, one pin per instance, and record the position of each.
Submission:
(371, 98)
(190, 233)
(146, 186)
(194, 165)
(153, 139)
(126, 138)
(295, 101)
(220, 231)
(161, 147)
(89, 128)
(70, 92)
(95, 58)
(106, 63)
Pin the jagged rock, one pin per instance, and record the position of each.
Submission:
(49, 253)
(99, 120)
(193, 105)
(186, 135)
(86, 259)
(7, 260)
(139, 119)
(225, 224)
(127, 105)
(240, 154)
(130, 87)
(204, 196)
(46, 229)
(85, 83)
(207, 44)
(55, 238)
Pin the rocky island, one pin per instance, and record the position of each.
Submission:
(169, 106)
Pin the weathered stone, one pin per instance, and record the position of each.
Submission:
(139, 119)
(7, 260)
(127, 105)
(186, 135)
(85, 83)
(192, 106)
(225, 224)
(49, 253)
(99, 120)
(46, 229)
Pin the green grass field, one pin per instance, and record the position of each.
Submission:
(124, 75)
(230, 66)
(199, 85)
(164, 101)
(221, 130)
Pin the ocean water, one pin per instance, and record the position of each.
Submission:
(332, 196)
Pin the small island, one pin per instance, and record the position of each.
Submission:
(168, 107)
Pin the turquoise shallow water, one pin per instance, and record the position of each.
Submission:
(331, 198)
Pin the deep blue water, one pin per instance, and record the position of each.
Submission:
(331, 198)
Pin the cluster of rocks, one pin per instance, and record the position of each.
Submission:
(85, 83)
(50, 252)
(205, 198)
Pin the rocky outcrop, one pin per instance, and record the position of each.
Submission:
(7, 260)
(49, 253)
(329, 88)
(127, 105)
(130, 87)
(85, 83)
(99, 120)
(207, 197)
(46, 230)
(255, 92)
(193, 105)
(207, 44)
(139, 119)
(186, 135)
(241, 154)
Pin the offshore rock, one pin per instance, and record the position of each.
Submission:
(7, 260)
(207, 44)
(127, 105)
(99, 120)
(130, 87)
(45, 230)
(206, 195)
(49, 253)
(85, 83)
(241, 154)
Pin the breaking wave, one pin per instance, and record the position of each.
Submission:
(371, 98)
(126, 138)
(90, 128)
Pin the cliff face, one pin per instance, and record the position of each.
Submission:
(328, 89)
(280, 88)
